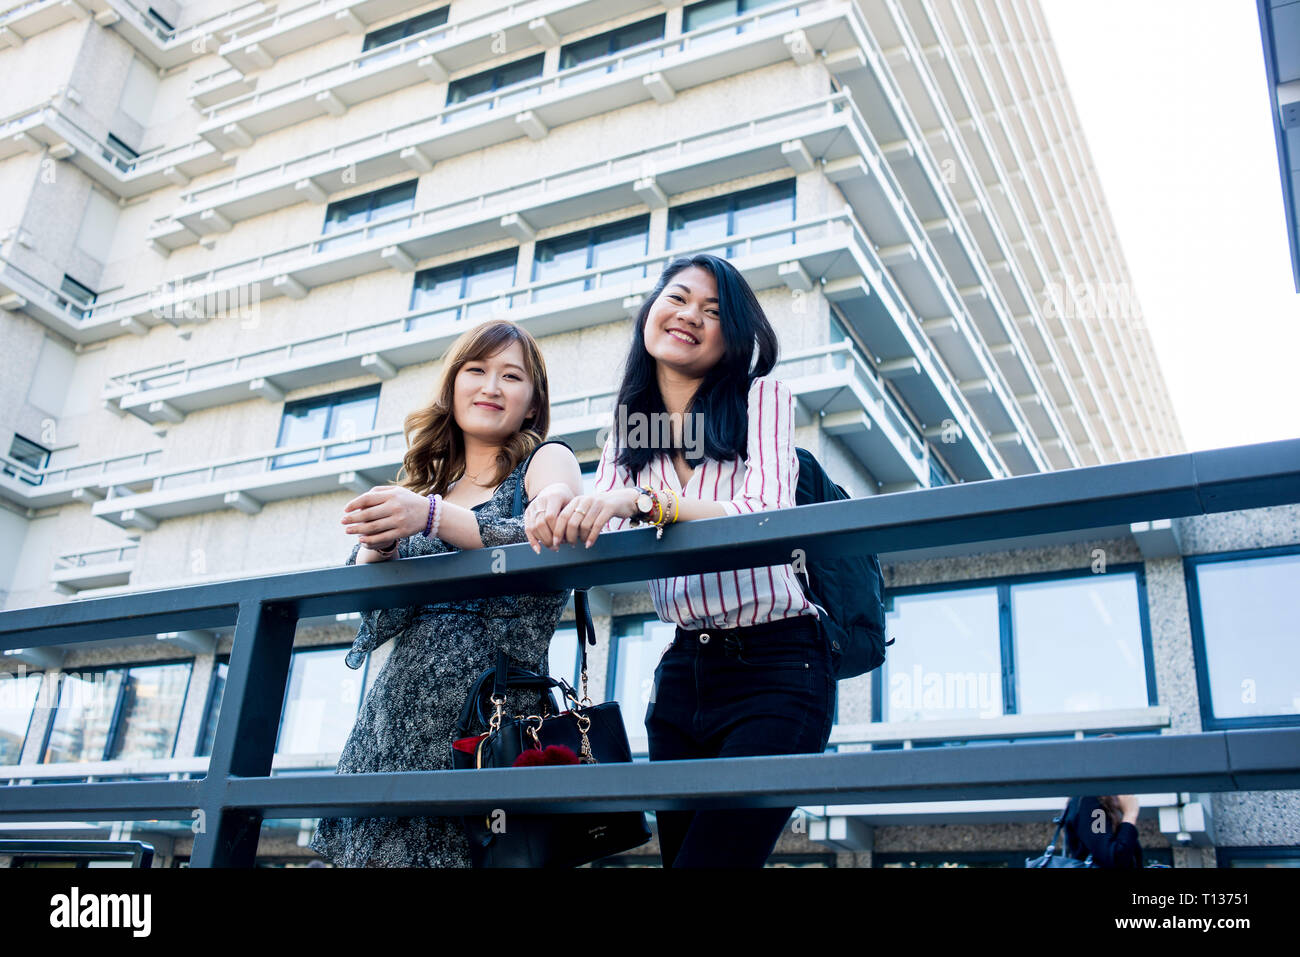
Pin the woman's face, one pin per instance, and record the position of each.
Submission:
(494, 396)
(683, 329)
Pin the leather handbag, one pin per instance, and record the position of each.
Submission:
(583, 734)
(1051, 859)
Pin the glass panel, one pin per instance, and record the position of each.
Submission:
(563, 661)
(763, 209)
(17, 699)
(320, 704)
(702, 14)
(698, 224)
(300, 425)
(637, 658)
(28, 452)
(947, 662)
(81, 722)
(434, 287)
(1249, 610)
(151, 711)
(1078, 645)
(351, 417)
(620, 243)
(218, 689)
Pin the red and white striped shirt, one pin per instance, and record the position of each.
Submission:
(765, 480)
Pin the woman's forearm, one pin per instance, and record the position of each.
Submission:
(691, 509)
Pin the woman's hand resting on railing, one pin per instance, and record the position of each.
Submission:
(584, 517)
(541, 514)
(383, 515)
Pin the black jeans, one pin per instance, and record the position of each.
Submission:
(766, 689)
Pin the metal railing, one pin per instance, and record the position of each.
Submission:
(238, 792)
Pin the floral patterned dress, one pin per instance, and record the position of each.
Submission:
(406, 720)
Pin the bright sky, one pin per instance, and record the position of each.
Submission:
(1175, 107)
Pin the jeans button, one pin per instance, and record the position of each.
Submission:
(704, 638)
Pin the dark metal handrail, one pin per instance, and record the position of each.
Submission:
(237, 793)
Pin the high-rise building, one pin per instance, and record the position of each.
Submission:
(237, 241)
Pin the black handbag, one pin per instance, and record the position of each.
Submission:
(584, 734)
(1050, 859)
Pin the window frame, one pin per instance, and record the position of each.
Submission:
(1006, 640)
(31, 714)
(330, 401)
(592, 232)
(370, 206)
(609, 35)
(404, 33)
(465, 266)
(1200, 655)
(114, 729)
(496, 85)
(731, 200)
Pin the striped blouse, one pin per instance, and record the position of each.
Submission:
(765, 480)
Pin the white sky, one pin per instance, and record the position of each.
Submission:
(1175, 107)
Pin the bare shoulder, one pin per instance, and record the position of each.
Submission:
(549, 461)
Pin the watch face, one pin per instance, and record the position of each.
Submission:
(644, 503)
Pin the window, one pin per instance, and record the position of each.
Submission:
(114, 713)
(439, 292)
(347, 214)
(613, 41)
(400, 31)
(713, 11)
(216, 689)
(77, 298)
(28, 453)
(17, 704)
(602, 248)
(342, 415)
(695, 227)
(320, 703)
(939, 474)
(490, 81)
(1041, 644)
(1244, 608)
(563, 661)
(1254, 856)
(637, 646)
(118, 153)
(161, 20)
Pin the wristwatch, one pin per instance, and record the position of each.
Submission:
(645, 505)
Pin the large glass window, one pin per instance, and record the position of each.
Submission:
(480, 85)
(17, 702)
(563, 661)
(439, 293)
(215, 692)
(400, 31)
(945, 662)
(76, 298)
(637, 646)
(1245, 612)
(603, 247)
(118, 713)
(320, 705)
(1028, 645)
(342, 415)
(701, 226)
(1078, 645)
(366, 208)
(713, 11)
(611, 42)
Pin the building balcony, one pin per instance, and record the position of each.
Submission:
(80, 482)
(849, 400)
(48, 126)
(646, 177)
(160, 46)
(830, 252)
(94, 568)
(257, 43)
(653, 70)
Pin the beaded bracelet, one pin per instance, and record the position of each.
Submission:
(437, 515)
(433, 507)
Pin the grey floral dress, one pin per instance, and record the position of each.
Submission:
(405, 722)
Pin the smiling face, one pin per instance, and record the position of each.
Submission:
(494, 395)
(683, 329)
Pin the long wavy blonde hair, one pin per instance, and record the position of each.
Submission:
(435, 456)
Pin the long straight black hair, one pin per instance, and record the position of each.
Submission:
(722, 398)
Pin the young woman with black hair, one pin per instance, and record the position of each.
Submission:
(746, 673)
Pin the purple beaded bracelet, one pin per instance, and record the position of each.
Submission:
(431, 527)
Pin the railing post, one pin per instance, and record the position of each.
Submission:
(246, 731)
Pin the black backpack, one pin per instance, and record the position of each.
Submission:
(848, 592)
